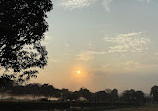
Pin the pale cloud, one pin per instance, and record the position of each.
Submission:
(121, 67)
(74, 4)
(145, 0)
(52, 60)
(67, 48)
(126, 67)
(89, 44)
(131, 66)
(106, 4)
(134, 66)
(77, 4)
(155, 56)
(105, 69)
(88, 55)
(130, 42)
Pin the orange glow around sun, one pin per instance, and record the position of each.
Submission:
(80, 77)
(79, 73)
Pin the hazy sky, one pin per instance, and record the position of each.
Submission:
(112, 42)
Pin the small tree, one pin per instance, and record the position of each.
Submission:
(129, 96)
(86, 94)
(114, 95)
(154, 93)
(6, 84)
(133, 96)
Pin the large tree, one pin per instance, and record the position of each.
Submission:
(22, 27)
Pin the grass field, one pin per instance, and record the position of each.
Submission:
(35, 106)
(147, 108)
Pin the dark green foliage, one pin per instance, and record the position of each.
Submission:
(22, 27)
(107, 95)
(154, 93)
(5, 80)
(47, 90)
(86, 94)
(101, 96)
(132, 96)
(114, 95)
(6, 83)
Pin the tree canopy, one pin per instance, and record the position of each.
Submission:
(22, 27)
(154, 93)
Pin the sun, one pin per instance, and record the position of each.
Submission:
(78, 72)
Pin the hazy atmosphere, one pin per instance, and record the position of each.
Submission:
(101, 44)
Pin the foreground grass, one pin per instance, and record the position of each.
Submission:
(147, 108)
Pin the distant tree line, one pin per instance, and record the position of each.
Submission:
(9, 86)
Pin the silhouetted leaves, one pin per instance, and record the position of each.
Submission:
(6, 83)
(154, 93)
(132, 96)
(22, 27)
